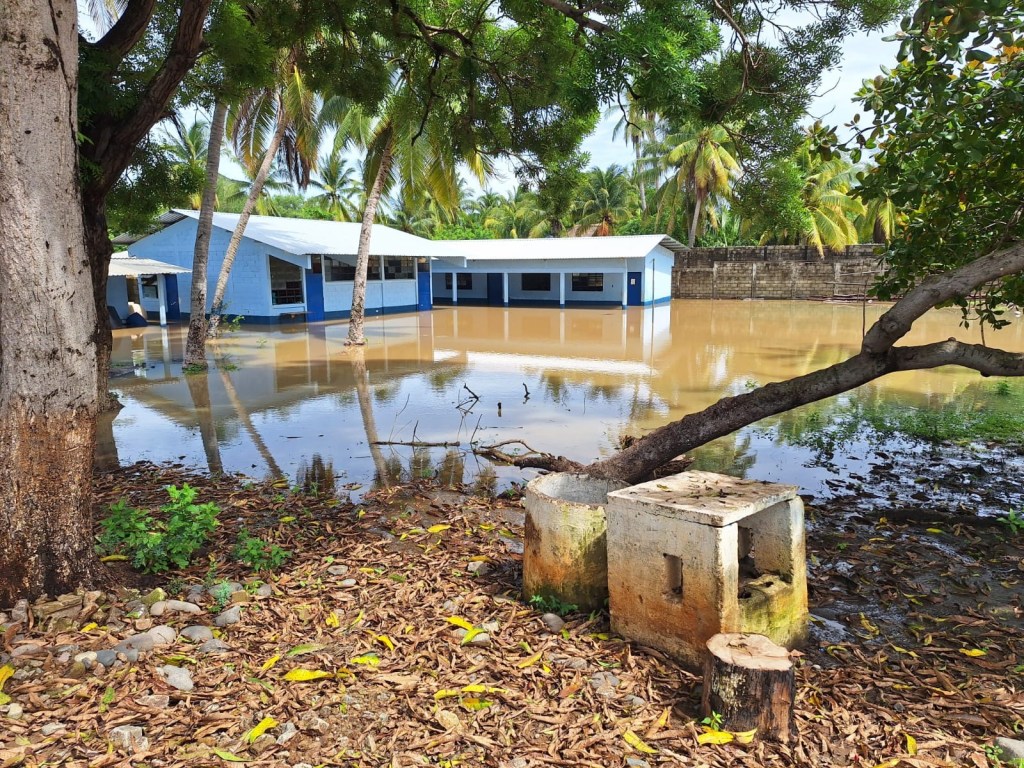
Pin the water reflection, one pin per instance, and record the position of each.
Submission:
(568, 381)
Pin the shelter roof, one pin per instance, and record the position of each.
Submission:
(610, 247)
(125, 265)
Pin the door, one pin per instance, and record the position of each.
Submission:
(424, 299)
(495, 289)
(634, 289)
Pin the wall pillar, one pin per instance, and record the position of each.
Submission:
(625, 288)
(504, 289)
(561, 289)
(455, 288)
(161, 295)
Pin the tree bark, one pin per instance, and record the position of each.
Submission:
(48, 382)
(236, 237)
(100, 249)
(195, 343)
(695, 223)
(355, 322)
(750, 683)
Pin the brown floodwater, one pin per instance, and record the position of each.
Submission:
(287, 401)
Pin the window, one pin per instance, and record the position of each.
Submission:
(464, 281)
(587, 281)
(536, 281)
(337, 271)
(399, 268)
(285, 282)
(149, 286)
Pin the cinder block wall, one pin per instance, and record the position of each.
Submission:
(775, 272)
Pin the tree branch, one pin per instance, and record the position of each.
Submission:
(985, 360)
(577, 15)
(128, 30)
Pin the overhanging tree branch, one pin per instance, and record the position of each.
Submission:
(129, 29)
(577, 15)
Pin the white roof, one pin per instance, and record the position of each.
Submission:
(310, 236)
(125, 265)
(611, 247)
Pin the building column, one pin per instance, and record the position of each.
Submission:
(504, 289)
(561, 289)
(455, 288)
(161, 295)
(625, 288)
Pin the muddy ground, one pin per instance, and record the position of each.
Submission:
(358, 654)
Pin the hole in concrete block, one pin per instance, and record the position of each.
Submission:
(747, 557)
(673, 577)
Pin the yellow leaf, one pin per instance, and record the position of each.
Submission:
(4, 699)
(889, 763)
(372, 659)
(477, 688)
(470, 634)
(387, 641)
(114, 559)
(474, 704)
(637, 743)
(304, 648)
(287, 519)
(530, 660)
(223, 754)
(662, 721)
(744, 737)
(438, 528)
(446, 693)
(711, 736)
(305, 675)
(90, 626)
(911, 744)
(5, 674)
(358, 619)
(479, 559)
(270, 662)
(260, 728)
(934, 530)
(972, 652)
(458, 621)
(332, 620)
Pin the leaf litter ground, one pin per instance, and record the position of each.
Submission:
(382, 644)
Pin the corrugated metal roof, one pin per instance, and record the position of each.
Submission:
(332, 238)
(611, 247)
(123, 265)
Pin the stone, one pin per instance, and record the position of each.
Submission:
(214, 645)
(516, 762)
(87, 659)
(1012, 749)
(163, 635)
(143, 642)
(19, 613)
(264, 590)
(303, 765)
(347, 583)
(156, 596)
(177, 677)
(182, 606)
(106, 658)
(222, 590)
(337, 570)
(77, 671)
(479, 568)
(263, 744)
(636, 762)
(604, 684)
(229, 617)
(131, 655)
(154, 700)
(241, 597)
(143, 624)
(196, 593)
(135, 608)
(15, 711)
(288, 732)
(130, 738)
(491, 626)
(481, 640)
(197, 633)
(683, 554)
(51, 728)
(29, 649)
(552, 622)
(158, 608)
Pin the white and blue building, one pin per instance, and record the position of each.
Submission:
(299, 269)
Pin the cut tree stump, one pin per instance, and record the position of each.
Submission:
(750, 682)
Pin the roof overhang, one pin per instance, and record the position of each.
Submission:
(131, 266)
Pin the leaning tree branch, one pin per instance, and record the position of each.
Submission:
(985, 360)
(532, 458)
(128, 31)
(577, 15)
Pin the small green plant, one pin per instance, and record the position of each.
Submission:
(713, 721)
(233, 324)
(193, 369)
(1013, 520)
(153, 545)
(258, 554)
(552, 605)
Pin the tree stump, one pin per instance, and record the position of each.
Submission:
(750, 682)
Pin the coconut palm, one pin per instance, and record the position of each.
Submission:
(607, 198)
(187, 146)
(637, 128)
(703, 168)
(518, 215)
(339, 187)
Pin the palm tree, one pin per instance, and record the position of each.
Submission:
(517, 215)
(188, 147)
(637, 127)
(607, 198)
(703, 168)
(339, 188)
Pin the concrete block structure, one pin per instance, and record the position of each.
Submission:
(698, 553)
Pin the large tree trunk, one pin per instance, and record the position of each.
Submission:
(195, 344)
(695, 222)
(878, 356)
(236, 237)
(48, 373)
(100, 249)
(355, 322)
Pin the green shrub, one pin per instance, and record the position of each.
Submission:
(258, 554)
(155, 546)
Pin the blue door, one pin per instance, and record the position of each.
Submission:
(495, 289)
(314, 295)
(423, 297)
(634, 289)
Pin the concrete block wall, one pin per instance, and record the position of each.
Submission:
(774, 272)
